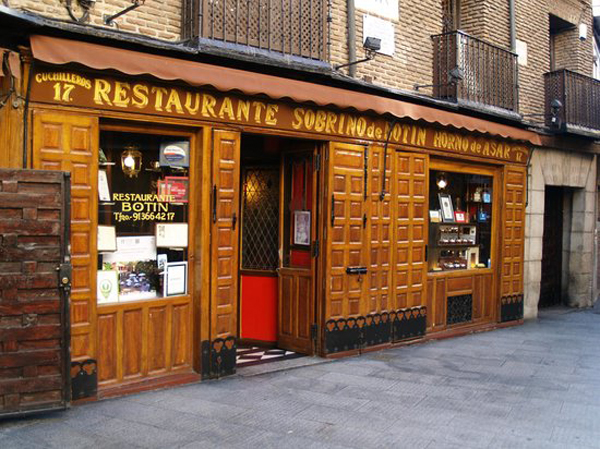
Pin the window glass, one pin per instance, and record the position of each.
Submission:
(460, 221)
(143, 213)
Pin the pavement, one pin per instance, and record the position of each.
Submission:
(530, 386)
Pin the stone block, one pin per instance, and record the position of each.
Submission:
(535, 248)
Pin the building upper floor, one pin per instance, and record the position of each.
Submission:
(528, 60)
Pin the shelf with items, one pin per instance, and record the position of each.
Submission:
(460, 216)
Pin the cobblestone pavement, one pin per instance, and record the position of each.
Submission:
(532, 386)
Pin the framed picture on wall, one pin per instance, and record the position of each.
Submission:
(302, 227)
(446, 207)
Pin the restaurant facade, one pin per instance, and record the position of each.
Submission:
(213, 207)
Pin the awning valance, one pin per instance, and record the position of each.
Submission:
(62, 51)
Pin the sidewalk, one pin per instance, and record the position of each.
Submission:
(533, 386)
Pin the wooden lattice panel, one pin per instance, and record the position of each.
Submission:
(513, 230)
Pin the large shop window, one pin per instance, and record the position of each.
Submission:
(143, 213)
(460, 221)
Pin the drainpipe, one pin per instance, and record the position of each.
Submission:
(512, 27)
(352, 37)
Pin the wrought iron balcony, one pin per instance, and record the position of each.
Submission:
(579, 96)
(471, 71)
(289, 27)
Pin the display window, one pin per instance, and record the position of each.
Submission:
(143, 214)
(460, 221)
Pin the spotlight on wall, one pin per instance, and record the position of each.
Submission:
(371, 45)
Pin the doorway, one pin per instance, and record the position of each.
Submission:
(552, 248)
(277, 249)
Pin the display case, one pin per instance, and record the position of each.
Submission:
(460, 221)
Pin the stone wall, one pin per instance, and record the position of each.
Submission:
(577, 171)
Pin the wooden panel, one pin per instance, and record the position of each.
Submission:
(410, 193)
(296, 310)
(380, 231)
(478, 297)
(132, 336)
(345, 294)
(69, 142)
(145, 339)
(440, 303)
(460, 284)
(34, 352)
(225, 233)
(157, 339)
(181, 331)
(107, 358)
(430, 303)
(513, 226)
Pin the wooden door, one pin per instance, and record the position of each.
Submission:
(296, 304)
(69, 142)
(225, 233)
(552, 247)
(346, 239)
(410, 194)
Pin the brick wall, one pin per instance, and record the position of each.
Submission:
(160, 19)
(32, 364)
(412, 62)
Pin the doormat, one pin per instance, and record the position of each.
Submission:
(248, 356)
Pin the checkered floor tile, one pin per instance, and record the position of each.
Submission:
(254, 355)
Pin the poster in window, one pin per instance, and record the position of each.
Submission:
(175, 154)
(103, 190)
(107, 238)
(446, 206)
(175, 278)
(175, 188)
(171, 235)
(107, 285)
(301, 227)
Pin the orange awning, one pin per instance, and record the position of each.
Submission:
(62, 51)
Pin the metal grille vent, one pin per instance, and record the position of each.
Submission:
(260, 227)
(460, 309)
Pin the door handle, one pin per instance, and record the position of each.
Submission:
(233, 221)
(214, 208)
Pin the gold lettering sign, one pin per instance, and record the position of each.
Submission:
(142, 207)
(201, 104)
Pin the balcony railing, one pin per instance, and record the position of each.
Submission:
(291, 27)
(472, 71)
(580, 98)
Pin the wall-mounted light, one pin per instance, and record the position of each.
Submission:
(441, 181)
(372, 45)
(84, 5)
(131, 161)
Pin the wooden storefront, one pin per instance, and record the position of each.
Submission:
(351, 192)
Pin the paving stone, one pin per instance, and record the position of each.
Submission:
(531, 386)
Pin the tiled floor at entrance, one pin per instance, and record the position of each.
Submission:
(247, 356)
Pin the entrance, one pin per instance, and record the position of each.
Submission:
(550, 292)
(277, 248)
